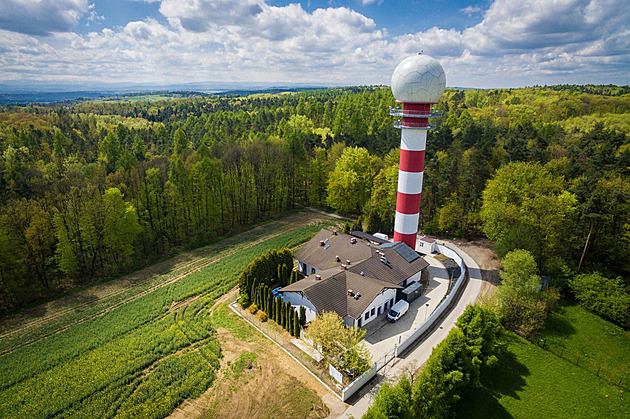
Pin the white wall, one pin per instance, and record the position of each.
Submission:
(379, 301)
(306, 269)
(414, 278)
(446, 303)
(298, 299)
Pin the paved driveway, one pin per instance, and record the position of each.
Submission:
(382, 336)
(418, 354)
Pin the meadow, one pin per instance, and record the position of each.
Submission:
(589, 341)
(139, 352)
(529, 381)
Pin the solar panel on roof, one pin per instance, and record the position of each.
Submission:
(407, 253)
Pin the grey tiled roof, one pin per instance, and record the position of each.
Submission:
(363, 258)
(366, 273)
(338, 245)
(331, 292)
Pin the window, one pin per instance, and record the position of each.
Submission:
(372, 312)
(367, 315)
(379, 311)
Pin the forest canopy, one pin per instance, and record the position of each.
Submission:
(95, 189)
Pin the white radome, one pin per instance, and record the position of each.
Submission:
(418, 78)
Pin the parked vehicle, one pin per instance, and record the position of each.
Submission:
(397, 310)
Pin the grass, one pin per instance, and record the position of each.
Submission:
(595, 344)
(113, 364)
(530, 382)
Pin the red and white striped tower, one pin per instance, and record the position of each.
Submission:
(417, 83)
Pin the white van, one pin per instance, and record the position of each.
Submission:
(397, 310)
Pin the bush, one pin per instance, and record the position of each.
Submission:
(244, 301)
(603, 296)
(262, 316)
(521, 306)
(253, 308)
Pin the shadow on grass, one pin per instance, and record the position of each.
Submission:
(504, 379)
(557, 325)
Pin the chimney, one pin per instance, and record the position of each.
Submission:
(337, 258)
(343, 266)
(321, 242)
(318, 277)
(350, 293)
(347, 261)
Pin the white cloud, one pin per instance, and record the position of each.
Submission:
(41, 17)
(471, 10)
(516, 43)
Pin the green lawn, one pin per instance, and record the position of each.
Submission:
(529, 382)
(594, 343)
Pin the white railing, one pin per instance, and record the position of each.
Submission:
(412, 113)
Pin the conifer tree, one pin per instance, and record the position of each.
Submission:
(296, 324)
(269, 299)
(280, 276)
(302, 316)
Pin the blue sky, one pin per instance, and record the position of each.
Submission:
(488, 43)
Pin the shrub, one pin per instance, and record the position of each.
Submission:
(262, 316)
(244, 301)
(603, 296)
(253, 308)
(521, 306)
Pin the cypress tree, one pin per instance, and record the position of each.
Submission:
(287, 313)
(280, 276)
(282, 314)
(269, 300)
(276, 311)
(285, 273)
(302, 316)
(296, 325)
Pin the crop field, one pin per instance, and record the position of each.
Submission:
(139, 349)
(530, 382)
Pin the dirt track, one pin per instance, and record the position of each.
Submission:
(482, 251)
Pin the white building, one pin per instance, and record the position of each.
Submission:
(357, 278)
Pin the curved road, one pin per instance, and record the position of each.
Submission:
(417, 356)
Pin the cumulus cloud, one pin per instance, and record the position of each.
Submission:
(41, 17)
(515, 43)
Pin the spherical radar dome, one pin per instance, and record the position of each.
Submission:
(418, 78)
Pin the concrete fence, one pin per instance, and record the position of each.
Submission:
(356, 385)
(444, 305)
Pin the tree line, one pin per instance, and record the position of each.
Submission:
(95, 189)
